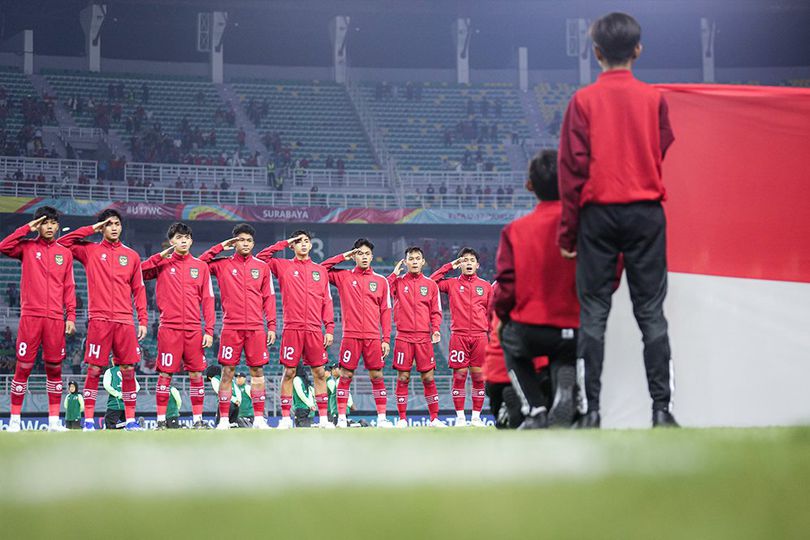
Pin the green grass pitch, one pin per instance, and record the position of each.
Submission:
(416, 484)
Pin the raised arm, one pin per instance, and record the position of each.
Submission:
(439, 275)
(75, 242)
(12, 245)
(151, 266)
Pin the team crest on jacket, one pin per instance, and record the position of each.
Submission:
(59, 259)
(254, 272)
(372, 286)
(195, 272)
(122, 260)
(479, 291)
(423, 291)
(316, 276)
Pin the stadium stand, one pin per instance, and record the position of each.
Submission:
(162, 119)
(309, 123)
(441, 126)
(22, 115)
(552, 99)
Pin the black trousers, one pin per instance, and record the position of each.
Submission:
(302, 418)
(73, 424)
(521, 344)
(114, 419)
(505, 404)
(233, 414)
(638, 231)
(173, 422)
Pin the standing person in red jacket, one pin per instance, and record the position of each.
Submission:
(183, 288)
(536, 301)
(470, 298)
(114, 278)
(308, 311)
(613, 140)
(418, 317)
(248, 299)
(47, 310)
(365, 301)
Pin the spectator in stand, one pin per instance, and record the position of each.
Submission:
(145, 94)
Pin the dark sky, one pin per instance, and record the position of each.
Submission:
(384, 39)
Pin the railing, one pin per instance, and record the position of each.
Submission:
(160, 195)
(71, 132)
(211, 175)
(423, 179)
(49, 168)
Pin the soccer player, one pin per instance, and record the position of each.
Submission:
(366, 306)
(183, 288)
(307, 307)
(113, 279)
(418, 316)
(47, 309)
(613, 140)
(248, 300)
(470, 298)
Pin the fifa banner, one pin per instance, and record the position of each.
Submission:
(266, 214)
(738, 211)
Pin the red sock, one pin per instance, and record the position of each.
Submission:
(432, 398)
(286, 405)
(129, 393)
(225, 401)
(90, 393)
(380, 394)
(18, 386)
(162, 394)
(322, 400)
(478, 392)
(258, 396)
(197, 391)
(459, 389)
(402, 398)
(53, 386)
(343, 394)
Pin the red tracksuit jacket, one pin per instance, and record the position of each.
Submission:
(183, 285)
(305, 298)
(47, 288)
(613, 139)
(365, 300)
(470, 298)
(536, 285)
(417, 307)
(113, 277)
(246, 290)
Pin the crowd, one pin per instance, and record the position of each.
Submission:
(34, 112)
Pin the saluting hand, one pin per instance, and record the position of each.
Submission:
(101, 224)
(456, 263)
(35, 223)
(349, 254)
(166, 253)
(294, 239)
(398, 267)
(229, 243)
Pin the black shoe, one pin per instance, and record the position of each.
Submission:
(161, 425)
(563, 410)
(199, 424)
(538, 421)
(589, 420)
(663, 419)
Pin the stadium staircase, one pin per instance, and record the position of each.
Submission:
(253, 142)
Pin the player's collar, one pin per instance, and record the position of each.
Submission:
(366, 271)
(105, 242)
(468, 278)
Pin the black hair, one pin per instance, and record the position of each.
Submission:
(178, 228)
(299, 232)
(543, 175)
(74, 384)
(48, 211)
(360, 242)
(104, 215)
(469, 251)
(616, 35)
(411, 249)
(243, 228)
(213, 371)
